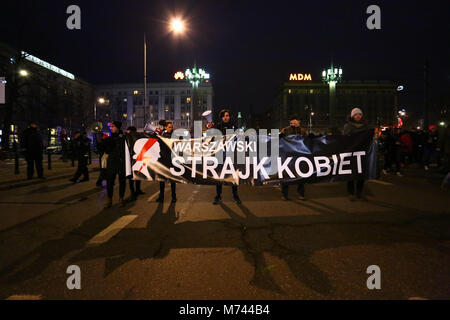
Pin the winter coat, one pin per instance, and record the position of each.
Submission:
(406, 143)
(114, 147)
(223, 127)
(81, 147)
(32, 144)
(352, 127)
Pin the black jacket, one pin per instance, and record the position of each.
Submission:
(352, 127)
(222, 126)
(32, 144)
(81, 147)
(114, 146)
(165, 134)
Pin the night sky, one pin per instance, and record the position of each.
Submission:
(248, 47)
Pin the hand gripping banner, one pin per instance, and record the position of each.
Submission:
(252, 159)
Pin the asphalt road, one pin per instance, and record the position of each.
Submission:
(265, 248)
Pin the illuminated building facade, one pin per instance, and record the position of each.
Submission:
(36, 90)
(171, 101)
(310, 100)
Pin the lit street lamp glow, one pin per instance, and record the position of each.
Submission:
(23, 73)
(101, 100)
(177, 25)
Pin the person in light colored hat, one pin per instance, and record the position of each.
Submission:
(354, 125)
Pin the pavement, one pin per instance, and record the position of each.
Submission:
(59, 170)
(264, 248)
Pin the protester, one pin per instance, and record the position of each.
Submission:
(100, 137)
(430, 151)
(114, 147)
(64, 145)
(135, 185)
(33, 147)
(293, 129)
(81, 147)
(406, 148)
(224, 124)
(167, 133)
(354, 125)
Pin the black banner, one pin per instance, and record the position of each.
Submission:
(252, 159)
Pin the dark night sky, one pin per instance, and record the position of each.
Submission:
(249, 47)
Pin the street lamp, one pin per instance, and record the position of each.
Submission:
(187, 114)
(100, 101)
(177, 26)
(311, 114)
(23, 73)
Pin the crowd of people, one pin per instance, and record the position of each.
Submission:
(399, 148)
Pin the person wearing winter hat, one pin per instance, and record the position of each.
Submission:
(354, 125)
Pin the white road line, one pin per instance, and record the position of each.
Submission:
(112, 230)
(24, 297)
(381, 182)
(188, 202)
(155, 195)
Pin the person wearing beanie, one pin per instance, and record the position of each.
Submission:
(115, 165)
(354, 125)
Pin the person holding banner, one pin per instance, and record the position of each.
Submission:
(224, 125)
(354, 125)
(293, 129)
(114, 148)
(167, 133)
(135, 185)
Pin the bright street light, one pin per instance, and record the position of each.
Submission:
(177, 25)
(101, 100)
(23, 73)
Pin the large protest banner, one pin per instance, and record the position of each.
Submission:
(252, 159)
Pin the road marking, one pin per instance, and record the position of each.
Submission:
(154, 196)
(381, 182)
(188, 202)
(24, 297)
(112, 230)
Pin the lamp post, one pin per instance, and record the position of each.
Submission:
(176, 26)
(311, 114)
(100, 101)
(332, 76)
